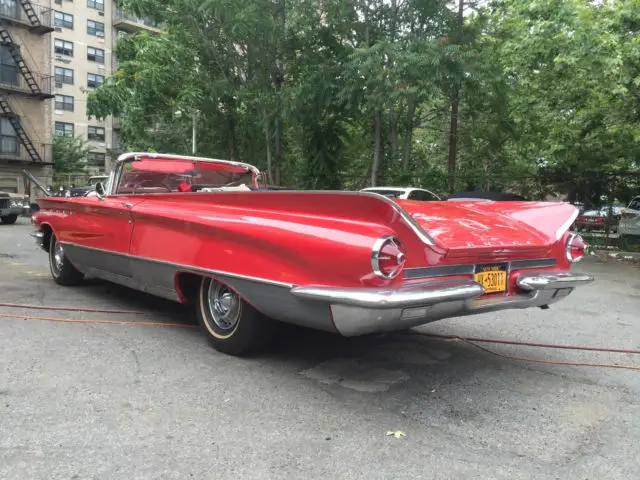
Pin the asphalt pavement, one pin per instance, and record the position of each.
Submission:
(105, 401)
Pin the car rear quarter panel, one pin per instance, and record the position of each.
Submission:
(288, 237)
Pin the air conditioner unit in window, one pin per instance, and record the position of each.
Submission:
(58, 84)
(101, 14)
(99, 34)
(57, 29)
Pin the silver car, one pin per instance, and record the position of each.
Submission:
(629, 225)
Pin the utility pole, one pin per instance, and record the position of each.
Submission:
(453, 131)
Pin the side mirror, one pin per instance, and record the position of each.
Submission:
(100, 189)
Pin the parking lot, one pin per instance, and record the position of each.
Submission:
(109, 401)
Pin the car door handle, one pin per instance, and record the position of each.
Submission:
(127, 205)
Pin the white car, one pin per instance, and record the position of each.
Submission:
(403, 193)
(630, 222)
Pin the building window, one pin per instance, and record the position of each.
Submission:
(64, 75)
(64, 102)
(64, 129)
(96, 133)
(97, 4)
(95, 28)
(8, 138)
(9, 73)
(97, 159)
(10, 9)
(95, 55)
(61, 19)
(62, 47)
(94, 81)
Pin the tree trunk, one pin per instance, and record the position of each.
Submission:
(233, 144)
(453, 140)
(278, 149)
(267, 140)
(377, 147)
(393, 132)
(278, 81)
(408, 135)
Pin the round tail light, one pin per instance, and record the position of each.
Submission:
(575, 248)
(388, 257)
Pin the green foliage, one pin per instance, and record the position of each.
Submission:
(69, 155)
(337, 94)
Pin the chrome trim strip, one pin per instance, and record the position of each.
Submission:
(537, 263)
(566, 225)
(37, 235)
(427, 293)
(540, 281)
(469, 268)
(183, 267)
(441, 271)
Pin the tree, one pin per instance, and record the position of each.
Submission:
(69, 155)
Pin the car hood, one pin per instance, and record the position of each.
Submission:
(489, 224)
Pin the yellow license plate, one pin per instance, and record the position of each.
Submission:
(493, 278)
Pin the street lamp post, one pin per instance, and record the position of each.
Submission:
(194, 117)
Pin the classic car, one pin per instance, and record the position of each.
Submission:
(207, 232)
(599, 219)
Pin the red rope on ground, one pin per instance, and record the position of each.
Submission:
(70, 309)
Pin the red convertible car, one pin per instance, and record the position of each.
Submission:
(208, 232)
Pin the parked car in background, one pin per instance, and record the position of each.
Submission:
(93, 181)
(12, 205)
(629, 225)
(404, 193)
(209, 233)
(599, 220)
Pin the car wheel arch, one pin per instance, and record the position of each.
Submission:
(47, 230)
(188, 284)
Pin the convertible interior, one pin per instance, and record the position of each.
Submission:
(163, 176)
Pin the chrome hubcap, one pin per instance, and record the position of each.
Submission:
(224, 306)
(58, 256)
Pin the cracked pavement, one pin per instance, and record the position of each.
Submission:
(96, 401)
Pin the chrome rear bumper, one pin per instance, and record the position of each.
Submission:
(358, 311)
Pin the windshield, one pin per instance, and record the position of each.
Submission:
(158, 176)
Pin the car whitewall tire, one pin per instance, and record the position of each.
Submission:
(231, 324)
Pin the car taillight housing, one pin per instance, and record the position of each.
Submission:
(575, 248)
(388, 257)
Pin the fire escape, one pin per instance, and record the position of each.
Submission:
(24, 81)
